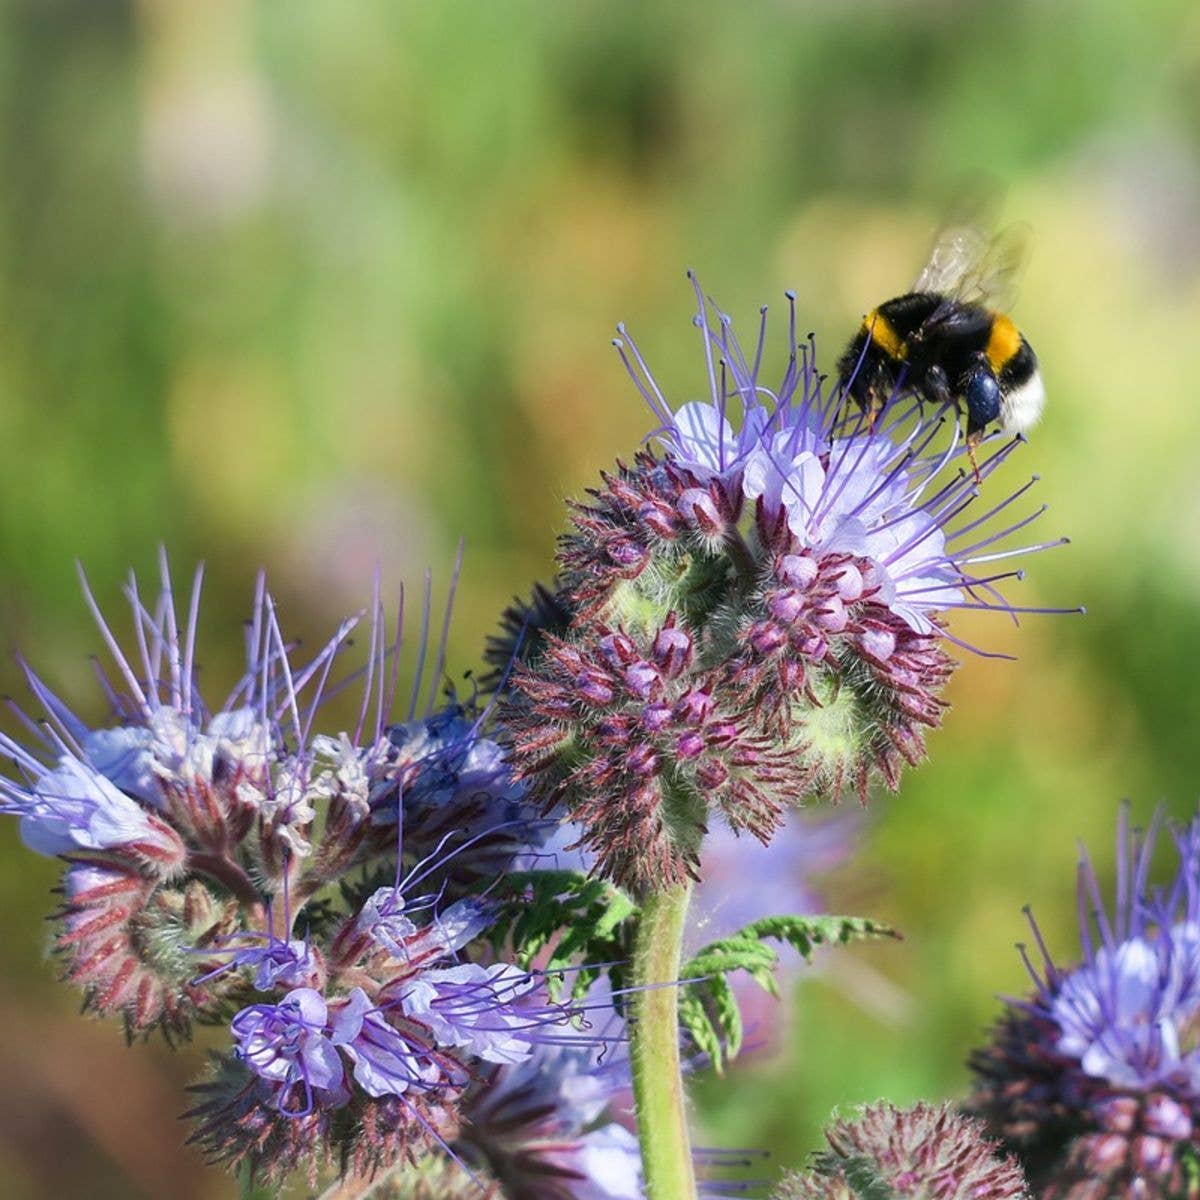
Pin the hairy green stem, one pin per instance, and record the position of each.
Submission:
(654, 1048)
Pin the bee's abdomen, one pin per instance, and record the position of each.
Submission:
(1022, 394)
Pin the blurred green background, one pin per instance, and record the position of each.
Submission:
(308, 285)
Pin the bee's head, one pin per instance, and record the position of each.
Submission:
(866, 374)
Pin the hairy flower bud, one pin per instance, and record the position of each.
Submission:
(921, 1153)
(670, 745)
(135, 947)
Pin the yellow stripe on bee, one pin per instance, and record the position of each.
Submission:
(1003, 342)
(884, 334)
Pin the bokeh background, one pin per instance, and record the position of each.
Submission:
(311, 285)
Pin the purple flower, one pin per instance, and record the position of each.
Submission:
(804, 563)
(608, 1161)
(385, 1063)
(474, 1007)
(171, 761)
(382, 918)
(703, 441)
(73, 807)
(124, 756)
(275, 962)
(289, 1044)
(880, 495)
(1096, 1076)
(448, 757)
(457, 790)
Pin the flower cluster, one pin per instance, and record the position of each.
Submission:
(182, 825)
(921, 1153)
(1094, 1080)
(208, 857)
(754, 617)
(750, 616)
(368, 1065)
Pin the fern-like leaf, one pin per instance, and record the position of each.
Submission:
(708, 1008)
(567, 920)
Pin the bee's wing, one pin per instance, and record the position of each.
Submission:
(956, 252)
(969, 266)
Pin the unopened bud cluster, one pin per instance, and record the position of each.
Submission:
(920, 1153)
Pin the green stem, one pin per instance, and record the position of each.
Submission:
(654, 1048)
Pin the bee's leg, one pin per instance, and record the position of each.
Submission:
(974, 437)
(937, 386)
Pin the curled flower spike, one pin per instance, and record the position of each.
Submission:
(1094, 1080)
(922, 1153)
(754, 617)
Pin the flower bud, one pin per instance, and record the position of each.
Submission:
(673, 650)
(879, 644)
(799, 570)
(617, 649)
(593, 687)
(766, 638)
(657, 716)
(814, 647)
(694, 706)
(659, 518)
(641, 679)
(849, 583)
(1167, 1118)
(642, 760)
(831, 616)
(787, 606)
(1152, 1155)
(697, 507)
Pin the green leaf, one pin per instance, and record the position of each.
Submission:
(708, 1008)
(583, 923)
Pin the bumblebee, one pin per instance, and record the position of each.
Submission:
(948, 340)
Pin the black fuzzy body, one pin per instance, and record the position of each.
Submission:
(938, 348)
